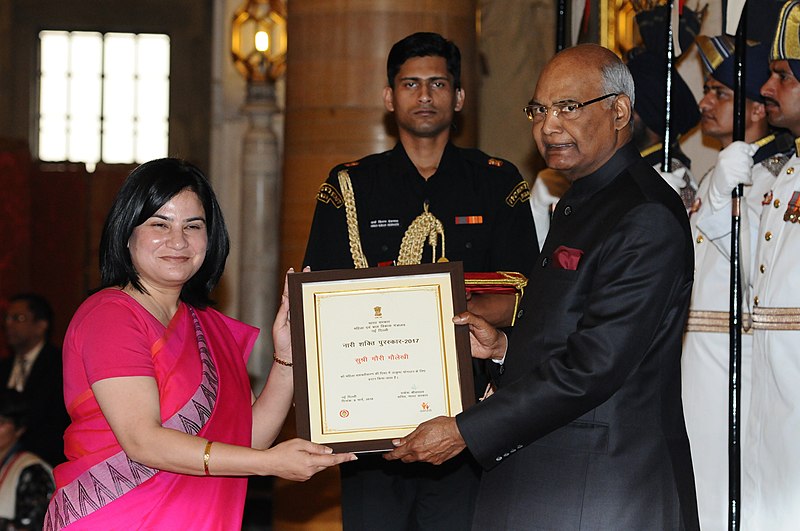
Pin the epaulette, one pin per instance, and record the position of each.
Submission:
(329, 193)
(482, 159)
(774, 150)
(364, 162)
(777, 142)
(520, 193)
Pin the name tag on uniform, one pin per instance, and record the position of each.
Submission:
(469, 220)
(384, 223)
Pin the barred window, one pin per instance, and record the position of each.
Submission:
(103, 97)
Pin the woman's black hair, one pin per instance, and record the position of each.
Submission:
(147, 189)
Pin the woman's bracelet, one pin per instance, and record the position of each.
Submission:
(206, 457)
(282, 362)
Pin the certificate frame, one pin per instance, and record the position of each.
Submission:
(323, 363)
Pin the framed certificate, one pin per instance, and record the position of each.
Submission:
(376, 352)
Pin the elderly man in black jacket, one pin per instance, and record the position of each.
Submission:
(586, 428)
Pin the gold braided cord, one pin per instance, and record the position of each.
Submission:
(359, 259)
(425, 227)
(507, 278)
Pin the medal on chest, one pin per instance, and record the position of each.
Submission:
(793, 209)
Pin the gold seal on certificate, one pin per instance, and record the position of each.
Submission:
(376, 352)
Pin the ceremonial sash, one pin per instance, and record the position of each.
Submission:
(117, 475)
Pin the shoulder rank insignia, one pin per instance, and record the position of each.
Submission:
(351, 164)
(494, 162)
(519, 194)
(329, 194)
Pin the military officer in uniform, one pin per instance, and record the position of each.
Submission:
(704, 365)
(377, 211)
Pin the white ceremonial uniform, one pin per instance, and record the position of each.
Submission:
(771, 471)
(706, 345)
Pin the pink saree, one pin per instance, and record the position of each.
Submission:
(204, 389)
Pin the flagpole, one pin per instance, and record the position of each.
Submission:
(670, 56)
(561, 25)
(735, 331)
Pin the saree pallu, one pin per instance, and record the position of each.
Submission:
(211, 399)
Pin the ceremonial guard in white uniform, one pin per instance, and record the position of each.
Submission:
(771, 480)
(706, 351)
(770, 494)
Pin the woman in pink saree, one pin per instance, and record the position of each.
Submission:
(164, 424)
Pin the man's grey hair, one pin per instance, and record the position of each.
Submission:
(617, 78)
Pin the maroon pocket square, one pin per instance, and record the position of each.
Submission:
(566, 258)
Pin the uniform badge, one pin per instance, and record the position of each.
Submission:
(329, 194)
(793, 210)
(767, 198)
(469, 220)
(519, 194)
(494, 162)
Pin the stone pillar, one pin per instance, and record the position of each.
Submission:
(260, 203)
(335, 76)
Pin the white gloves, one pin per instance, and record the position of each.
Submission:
(734, 166)
(676, 179)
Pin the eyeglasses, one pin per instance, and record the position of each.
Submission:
(566, 110)
(16, 318)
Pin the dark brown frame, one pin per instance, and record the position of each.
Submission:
(299, 351)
